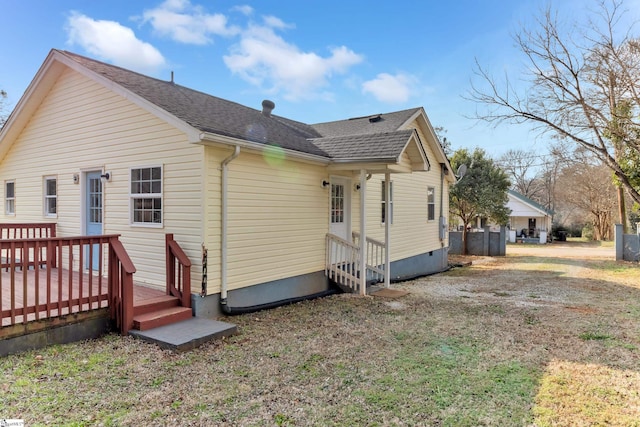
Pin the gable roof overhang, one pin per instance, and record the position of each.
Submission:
(532, 205)
(421, 116)
(389, 152)
(48, 73)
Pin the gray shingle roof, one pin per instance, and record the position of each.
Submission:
(377, 123)
(368, 137)
(209, 113)
(387, 145)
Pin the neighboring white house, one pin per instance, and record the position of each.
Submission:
(528, 219)
(99, 149)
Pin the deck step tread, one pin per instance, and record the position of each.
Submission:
(153, 304)
(161, 317)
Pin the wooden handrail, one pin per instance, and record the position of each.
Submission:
(120, 279)
(121, 254)
(178, 271)
(27, 230)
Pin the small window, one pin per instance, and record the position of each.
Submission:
(146, 195)
(10, 197)
(384, 201)
(431, 203)
(337, 203)
(50, 196)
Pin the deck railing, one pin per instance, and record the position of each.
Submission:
(178, 272)
(342, 263)
(59, 284)
(375, 258)
(121, 271)
(18, 231)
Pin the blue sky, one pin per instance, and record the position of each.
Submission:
(317, 60)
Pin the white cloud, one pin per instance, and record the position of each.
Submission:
(186, 23)
(393, 89)
(108, 40)
(265, 59)
(244, 9)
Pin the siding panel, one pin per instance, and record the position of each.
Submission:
(93, 128)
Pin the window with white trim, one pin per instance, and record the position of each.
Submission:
(431, 203)
(10, 197)
(146, 195)
(50, 196)
(337, 203)
(384, 202)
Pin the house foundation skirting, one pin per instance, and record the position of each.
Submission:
(310, 284)
(262, 294)
(420, 265)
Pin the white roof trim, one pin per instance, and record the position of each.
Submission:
(431, 132)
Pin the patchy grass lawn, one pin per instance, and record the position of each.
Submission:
(517, 341)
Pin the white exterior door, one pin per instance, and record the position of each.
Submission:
(340, 208)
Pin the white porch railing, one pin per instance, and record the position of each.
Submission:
(342, 264)
(374, 258)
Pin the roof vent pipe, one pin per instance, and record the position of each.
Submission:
(267, 107)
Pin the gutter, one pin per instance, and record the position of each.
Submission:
(224, 227)
(206, 137)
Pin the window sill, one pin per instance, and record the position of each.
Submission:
(145, 225)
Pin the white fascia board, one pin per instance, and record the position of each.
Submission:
(431, 132)
(415, 138)
(40, 85)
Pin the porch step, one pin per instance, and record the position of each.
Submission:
(161, 317)
(149, 305)
(188, 334)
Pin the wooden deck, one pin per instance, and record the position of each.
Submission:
(79, 292)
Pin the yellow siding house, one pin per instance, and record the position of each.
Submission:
(283, 210)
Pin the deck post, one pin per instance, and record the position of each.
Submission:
(169, 263)
(363, 232)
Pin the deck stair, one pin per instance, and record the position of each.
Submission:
(159, 311)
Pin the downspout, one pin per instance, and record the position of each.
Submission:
(223, 255)
(223, 228)
(443, 231)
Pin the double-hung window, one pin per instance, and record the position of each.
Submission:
(431, 203)
(10, 197)
(146, 195)
(50, 196)
(384, 201)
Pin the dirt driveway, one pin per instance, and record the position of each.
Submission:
(564, 250)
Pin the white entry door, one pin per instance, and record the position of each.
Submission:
(340, 208)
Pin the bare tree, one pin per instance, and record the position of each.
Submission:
(587, 187)
(520, 166)
(3, 115)
(578, 79)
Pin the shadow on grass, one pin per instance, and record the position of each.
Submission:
(587, 343)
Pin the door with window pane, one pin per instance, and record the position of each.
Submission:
(93, 216)
(340, 208)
